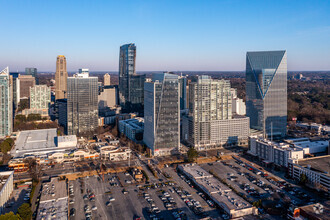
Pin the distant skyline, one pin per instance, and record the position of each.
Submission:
(169, 35)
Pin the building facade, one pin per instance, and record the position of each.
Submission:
(16, 89)
(31, 71)
(82, 104)
(61, 76)
(107, 98)
(130, 84)
(26, 82)
(162, 114)
(6, 104)
(39, 97)
(132, 128)
(6, 188)
(107, 79)
(266, 92)
(183, 92)
(209, 123)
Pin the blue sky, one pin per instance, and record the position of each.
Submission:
(169, 35)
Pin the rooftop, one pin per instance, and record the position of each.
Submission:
(4, 177)
(319, 164)
(309, 209)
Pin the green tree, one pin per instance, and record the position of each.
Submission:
(6, 145)
(192, 154)
(9, 216)
(24, 211)
(34, 117)
(20, 118)
(303, 179)
(257, 203)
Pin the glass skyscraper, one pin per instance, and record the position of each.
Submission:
(162, 114)
(82, 104)
(266, 92)
(130, 84)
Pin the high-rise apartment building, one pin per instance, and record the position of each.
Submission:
(39, 97)
(107, 79)
(162, 114)
(210, 123)
(6, 104)
(61, 76)
(130, 84)
(82, 104)
(266, 92)
(26, 81)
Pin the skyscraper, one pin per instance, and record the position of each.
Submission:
(183, 92)
(32, 71)
(6, 104)
(210, 123)
(107, 79)
(266, 92)
(162, 114)
(16, 89)
(130, 84)
(82, 104)
(61, 76)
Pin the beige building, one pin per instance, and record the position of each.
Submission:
(114, 153)
(26, 82)
(61, 76)
(107, 98)
(107, 79)
(6, 188)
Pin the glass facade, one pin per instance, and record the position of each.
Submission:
(82, 105)
(130, 84)
(266, 92)
(6, 112)
(162, 114)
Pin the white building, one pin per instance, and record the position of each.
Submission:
(6, 187)
(271, 152)
(309, 147)
(39, 97)
(238, 105)
(114, 153)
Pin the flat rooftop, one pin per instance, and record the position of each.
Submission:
(212, 186)
(53, 190)
(309, 209)
(36, 142)
(320, 164)
(67, 138)
(4, 177)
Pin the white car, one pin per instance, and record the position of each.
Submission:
(94, 208)
(112, 199)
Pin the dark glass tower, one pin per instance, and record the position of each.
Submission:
(130, 84)
(266, 92)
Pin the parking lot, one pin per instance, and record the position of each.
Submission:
(19, 196)
(120, 197)
(256, 186)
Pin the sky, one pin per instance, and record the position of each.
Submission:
(178, 35)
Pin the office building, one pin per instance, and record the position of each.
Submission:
(6, 188)
(16, 89)
(107, 79)
(31, 71)
(82, 104)
(130, 84)
(39, 97)
(266, 92)
(6, 104)
(61, 76)
(162, 114)
(26, 82)
(209, 123)
(238, 105)
(62, 109)
(183, 92)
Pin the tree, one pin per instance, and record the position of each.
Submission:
(257, 203)
(6, 145)
(24, 211)
(9, 216)
(192, 154)
(303, 179)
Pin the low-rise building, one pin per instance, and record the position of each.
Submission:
(53, 200)
(114, 153)
(132, 127)
(222, 195)
(6, 188)
(308, 146)
(316, 169)
(42, 142)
